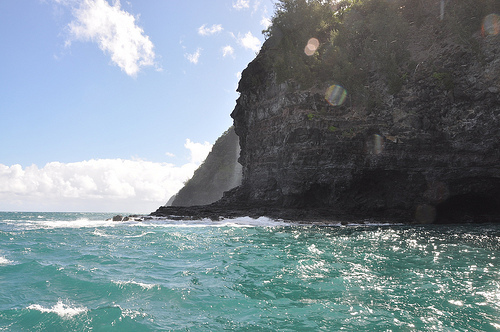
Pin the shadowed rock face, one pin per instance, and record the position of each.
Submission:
(219, 172)
(429, 153)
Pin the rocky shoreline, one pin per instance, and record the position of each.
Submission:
(217, 212)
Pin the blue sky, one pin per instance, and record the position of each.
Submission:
(110, 105)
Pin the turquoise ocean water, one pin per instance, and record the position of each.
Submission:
(78, 272)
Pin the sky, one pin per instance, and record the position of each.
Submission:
(110, 106)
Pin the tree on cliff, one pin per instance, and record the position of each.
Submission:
(345, 31)
(359, 37)
(294, 23)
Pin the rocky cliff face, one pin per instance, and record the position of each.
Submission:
(429, 153)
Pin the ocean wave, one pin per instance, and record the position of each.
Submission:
(99, 232)
(229, 222)
(138, 235)
(133, 282)
(252, 222)
(61, 309)
(34, 222)
(55, 224)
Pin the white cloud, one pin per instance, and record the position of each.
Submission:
(116, 33)
(249, 41)
(135, 186)
(64, 2)
(241, 4)
(265, 22)
(199, 151)
(256, 6)
(227, 50)
(204, 31)
(194, 57)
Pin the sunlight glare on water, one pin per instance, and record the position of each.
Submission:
(256, 275)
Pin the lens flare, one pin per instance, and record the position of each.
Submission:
(311, 47)
(335, 95)
(491, 25)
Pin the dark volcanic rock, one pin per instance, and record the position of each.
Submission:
(220, 210)
(426, 154)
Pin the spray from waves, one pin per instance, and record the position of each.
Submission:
(60, 308)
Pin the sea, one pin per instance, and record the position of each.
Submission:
(82, 272)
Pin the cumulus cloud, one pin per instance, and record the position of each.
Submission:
(116, 33)
(194, 57)
(227, 50)
(204, 31)
(241, 4)
(97, 185)
(249, 41)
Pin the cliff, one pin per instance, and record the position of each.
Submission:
(429, 152)
(395, 117)
(219, 172)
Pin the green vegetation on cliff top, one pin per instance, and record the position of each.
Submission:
(359, 37)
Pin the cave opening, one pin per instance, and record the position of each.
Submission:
(469, 208)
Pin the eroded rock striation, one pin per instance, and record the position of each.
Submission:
(428, 153)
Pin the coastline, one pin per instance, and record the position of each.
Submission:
(318, 216)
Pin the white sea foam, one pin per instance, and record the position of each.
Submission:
(79, 223)
(230, 222)
(133, 282)
(5, 261)
(153, 222)
(101, 233)
(147, 222)
(252, 222)
(164, 222)
(138, 235)
(61, 309)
